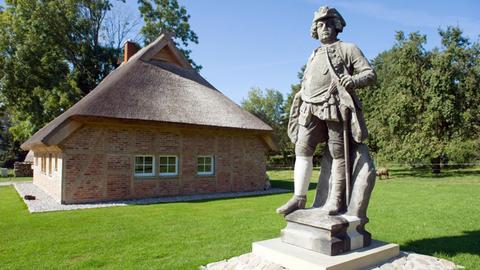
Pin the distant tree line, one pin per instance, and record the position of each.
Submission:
(52, 53)
(424, 108)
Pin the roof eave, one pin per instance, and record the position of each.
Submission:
(54, 137)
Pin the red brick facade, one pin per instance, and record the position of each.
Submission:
(98, 162)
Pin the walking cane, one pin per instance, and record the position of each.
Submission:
(346, 143)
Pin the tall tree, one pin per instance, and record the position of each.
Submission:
(294, 88)
(36, 83)
(120, 25)
(9, 149)
(265, 104)
(169, 16)
(81, 35)
(268, 105)
(423, 108)
(54, 52)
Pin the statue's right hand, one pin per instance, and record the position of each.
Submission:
(347, 82)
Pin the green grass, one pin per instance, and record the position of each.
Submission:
(427, 213)
(435, 216)
(12, 178)
(15, 179)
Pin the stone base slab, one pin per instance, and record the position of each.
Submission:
(296, 258)
(315, 230)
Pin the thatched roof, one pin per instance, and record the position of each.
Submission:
(157, 84)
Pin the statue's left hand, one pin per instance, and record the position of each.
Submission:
(347, 82)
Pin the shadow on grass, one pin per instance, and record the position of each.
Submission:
(283, 184)
(449, 245)
(227, 198)
(288, 184)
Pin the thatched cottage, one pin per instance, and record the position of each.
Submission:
(153, 127)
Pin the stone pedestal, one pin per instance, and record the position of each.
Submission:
(296, 258)
(331, 235)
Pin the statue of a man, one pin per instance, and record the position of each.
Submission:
(320, 111)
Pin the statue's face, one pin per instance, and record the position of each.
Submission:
(326, 31)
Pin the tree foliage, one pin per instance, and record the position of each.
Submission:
(36, 83)
(424, 106)
(52, 53)
(294, 88)
(268, 105)
(9, 149)
(265, 104)
(168, 16)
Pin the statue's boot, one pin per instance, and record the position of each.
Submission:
(333, 205)
(301, 177)
(295, 203)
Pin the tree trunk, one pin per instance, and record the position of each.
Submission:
(435, 163)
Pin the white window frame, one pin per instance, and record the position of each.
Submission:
(143, 174)
(167, 164)
(212, 165)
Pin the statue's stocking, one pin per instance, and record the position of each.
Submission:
(337, 187)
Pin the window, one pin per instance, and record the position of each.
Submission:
(168, 165)
(205, 165)
(144, 166)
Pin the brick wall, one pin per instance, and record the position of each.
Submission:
(99, 162)
(22, 169)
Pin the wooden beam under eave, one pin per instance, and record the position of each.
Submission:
(167, 55)
(179, 55)
(153, 48)
(62, 132)
(46, 149)
(267, 138)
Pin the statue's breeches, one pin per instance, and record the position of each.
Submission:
(320, 131)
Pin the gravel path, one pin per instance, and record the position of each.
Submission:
(44, 203)
(405, 261)
(415, 261)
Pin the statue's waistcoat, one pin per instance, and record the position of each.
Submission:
(317, 79)
(319, 96)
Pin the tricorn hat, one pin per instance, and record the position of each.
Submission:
(327, 12)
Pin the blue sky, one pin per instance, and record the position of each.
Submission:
(263, 43)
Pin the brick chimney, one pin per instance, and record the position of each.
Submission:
(129, 49)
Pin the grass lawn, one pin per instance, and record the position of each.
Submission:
(12, 178)
(436, 216)
(15, 179)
